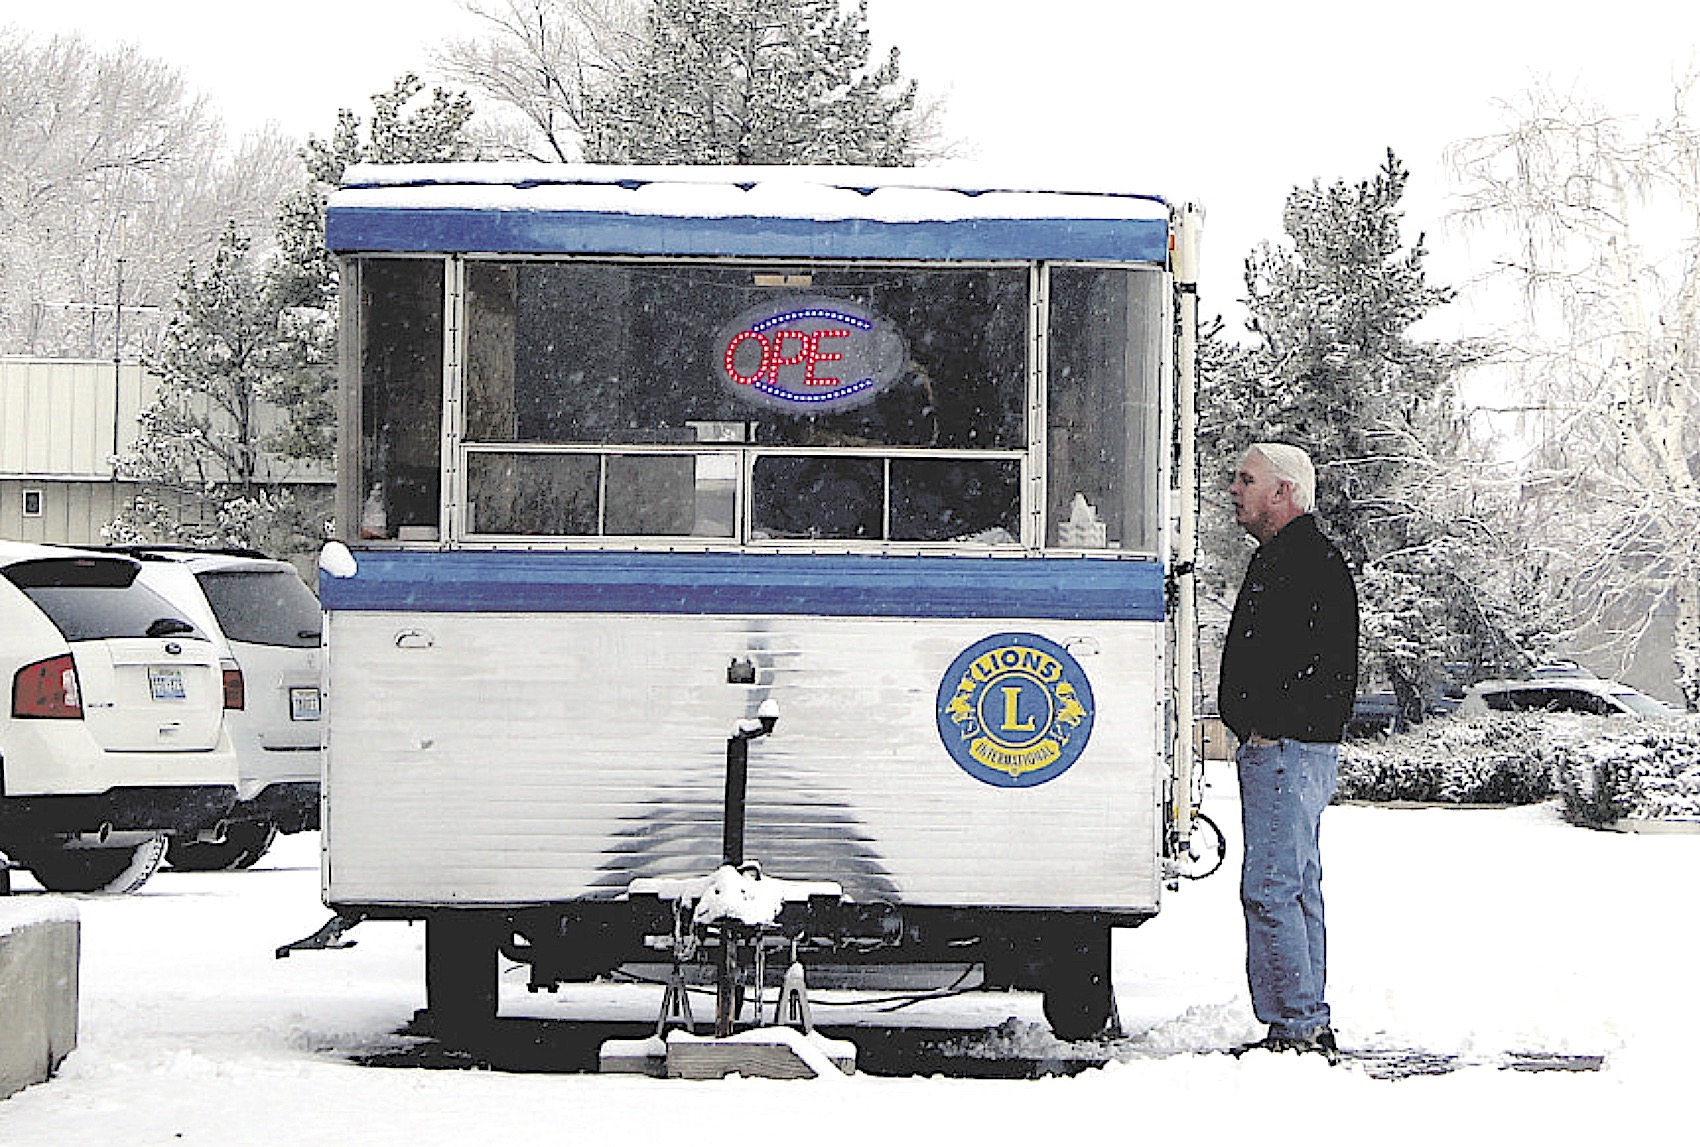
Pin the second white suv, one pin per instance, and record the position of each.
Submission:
(267, 624)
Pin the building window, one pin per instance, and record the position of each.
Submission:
(32, 503)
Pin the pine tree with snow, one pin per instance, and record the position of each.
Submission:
(754, 82)
(200, 455)
(247, 401)
(301, 283)
(1334, 368)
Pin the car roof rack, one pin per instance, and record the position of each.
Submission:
(144, 550)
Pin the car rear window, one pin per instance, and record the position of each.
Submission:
(91, 599)
(263, 607)
(1549, 700)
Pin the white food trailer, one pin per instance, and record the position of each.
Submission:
(829, 525)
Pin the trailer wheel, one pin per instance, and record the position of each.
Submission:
(460, 973)
(109, 871)
(243, 844)
(1079, 998)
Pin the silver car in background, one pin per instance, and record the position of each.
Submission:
(1555, 691)
(266, 624)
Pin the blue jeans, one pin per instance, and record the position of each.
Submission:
(1283, 789)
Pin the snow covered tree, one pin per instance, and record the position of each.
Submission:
(301, 284)
(536, 66)
(1333, 367)
(114, 176)
(200, 454)
(691, 81)
(754, 81)
(248, 368)
(1599, 221)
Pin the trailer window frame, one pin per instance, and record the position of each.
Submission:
(1030, 529)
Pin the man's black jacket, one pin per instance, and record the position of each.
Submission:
(1290, 663)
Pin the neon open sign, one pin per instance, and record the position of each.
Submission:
(809, 355)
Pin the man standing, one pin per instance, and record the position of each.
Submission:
(1289, 673)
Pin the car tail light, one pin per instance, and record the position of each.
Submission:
(235, 692)
(47, 689)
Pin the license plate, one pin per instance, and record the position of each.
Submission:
(166, 682)
(304, 703)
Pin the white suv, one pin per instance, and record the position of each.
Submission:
(266, 623)
(113, 736)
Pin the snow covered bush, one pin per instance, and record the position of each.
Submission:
(1641, 770)
(1500, 758)
(1604, 769)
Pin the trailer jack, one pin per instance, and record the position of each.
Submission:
(735, 914)
(788, 1048)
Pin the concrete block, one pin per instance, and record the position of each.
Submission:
(40, 942)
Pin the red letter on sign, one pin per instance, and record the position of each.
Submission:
(778, 359)
(813, 352)
(732, 353)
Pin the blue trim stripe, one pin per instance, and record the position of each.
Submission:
(456, 229)
(530, 581)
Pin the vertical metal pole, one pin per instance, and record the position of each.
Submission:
(118, 346)
(726, 986)
(731, 853)
(1188, 227)
(737, 781)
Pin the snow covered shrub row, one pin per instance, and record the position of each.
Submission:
(1604, 768)
(1495, 759)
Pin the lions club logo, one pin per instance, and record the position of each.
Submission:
(1015, 710)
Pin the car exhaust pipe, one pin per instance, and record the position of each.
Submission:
(99, 836)
(106, 836)
(214, 835)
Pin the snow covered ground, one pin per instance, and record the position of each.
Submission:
(1473, 931)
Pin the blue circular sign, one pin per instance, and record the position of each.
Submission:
(1015, 710)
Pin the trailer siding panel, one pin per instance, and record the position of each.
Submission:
(612, 741)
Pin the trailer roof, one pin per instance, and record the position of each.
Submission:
(764, 212)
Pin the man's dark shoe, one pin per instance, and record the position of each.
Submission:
(1320, 1042)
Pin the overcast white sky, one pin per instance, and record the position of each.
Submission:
(1229, 103)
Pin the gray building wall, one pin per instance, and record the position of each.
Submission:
(61, 423)
(68, 511)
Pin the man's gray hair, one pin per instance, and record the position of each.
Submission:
(1291, 464)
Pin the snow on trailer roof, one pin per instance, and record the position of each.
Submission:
(799, 212)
